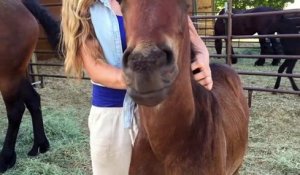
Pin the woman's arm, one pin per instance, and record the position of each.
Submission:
(201, 59)
(100, 71)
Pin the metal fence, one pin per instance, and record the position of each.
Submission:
(229, 36)
(228, 17)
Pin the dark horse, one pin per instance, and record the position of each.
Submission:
(184, 128)
(291, 46)
(19, 32)
(249, 25)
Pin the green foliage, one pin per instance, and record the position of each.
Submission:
(245, 4)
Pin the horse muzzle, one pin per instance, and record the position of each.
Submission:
(149, 73)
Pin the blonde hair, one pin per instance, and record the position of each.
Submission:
(76, 31)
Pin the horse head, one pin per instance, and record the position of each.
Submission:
(157, 36)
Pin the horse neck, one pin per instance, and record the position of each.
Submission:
(169, 122)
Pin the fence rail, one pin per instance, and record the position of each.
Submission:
(291, 14)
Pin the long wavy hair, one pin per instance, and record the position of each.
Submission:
(76, 31)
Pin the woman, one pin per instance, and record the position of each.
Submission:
(94, 39)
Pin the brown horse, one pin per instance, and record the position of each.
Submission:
(184, 129)
(18, 37)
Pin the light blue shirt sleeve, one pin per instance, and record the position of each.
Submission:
(106, 27)
(107, 31)
(128, 111)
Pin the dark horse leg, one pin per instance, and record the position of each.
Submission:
(218, 46)
(33, 104)
(289, 70)
(233, 59)
(15, 109)
(277, 49)
(15, 95)
(280, 70)
(265, 48)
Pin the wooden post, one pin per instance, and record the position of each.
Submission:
(229, 32)
(250, 92)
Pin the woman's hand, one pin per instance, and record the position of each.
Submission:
(203, 76)
(201, 58)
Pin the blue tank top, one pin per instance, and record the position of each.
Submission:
(108, 97)
(122, 32)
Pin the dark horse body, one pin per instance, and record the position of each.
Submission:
(291, 46)
(249, 25)
(19, 32)
(184, 129)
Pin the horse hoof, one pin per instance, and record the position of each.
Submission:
(39, 148)
(44, 147)
(34, 151)
(6, 162)
(234, 61)
(258, 63)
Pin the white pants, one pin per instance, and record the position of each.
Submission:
(111, 143)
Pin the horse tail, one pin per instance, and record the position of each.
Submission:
(48, 22)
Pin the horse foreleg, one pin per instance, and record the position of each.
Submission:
(280, 70)
(143, 160)
(289, 70)
(33, 104)
(277, 49)
(233, 59)
(15, 109)
(264, 49)
(218, 46)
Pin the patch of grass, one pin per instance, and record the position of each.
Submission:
(65, 110)
(274, 143)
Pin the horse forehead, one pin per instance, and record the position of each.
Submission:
(154, 13)
(153, 19)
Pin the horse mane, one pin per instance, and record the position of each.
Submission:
(203, 98)
(49, 23)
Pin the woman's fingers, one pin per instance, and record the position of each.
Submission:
(202, 75)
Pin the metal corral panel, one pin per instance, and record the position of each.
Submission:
(203, 7)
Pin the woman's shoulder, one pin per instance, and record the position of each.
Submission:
(101, 3)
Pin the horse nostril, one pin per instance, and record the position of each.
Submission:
(169, 56)
(126, 57)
